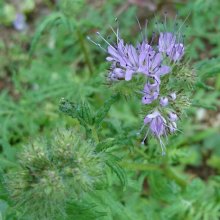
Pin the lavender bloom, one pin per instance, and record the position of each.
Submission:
(153, 62)
(116, 74)
(168, 44)
(172, 116)
(19, 23)
(151, 92)
(172, 122)
(177, 52)
(146, 53)
(143, 59)
(164, 101)
(126, 56)
(152, 65)
(157, 123)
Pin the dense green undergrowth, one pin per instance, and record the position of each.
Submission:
(52, 83)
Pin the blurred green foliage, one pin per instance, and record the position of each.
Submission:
(52, 59)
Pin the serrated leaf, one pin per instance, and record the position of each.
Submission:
(49, 21)
(118, 170)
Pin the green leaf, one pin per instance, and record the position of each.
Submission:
(118, 170)
(103, 111)
(49, 21)
(201, 105)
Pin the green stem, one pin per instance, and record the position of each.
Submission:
(85, 51)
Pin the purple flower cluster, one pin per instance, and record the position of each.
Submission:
(152, 61)
(20, 22)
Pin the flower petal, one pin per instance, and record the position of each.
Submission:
(128, 75)
(163, 70)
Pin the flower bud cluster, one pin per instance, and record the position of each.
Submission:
(52, 174)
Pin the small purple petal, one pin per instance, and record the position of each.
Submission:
(163, 70)
(156, 61)
(164, 101)
(177, 52)
(128, 75)
(157, 124)
(172, 116)
(166, 42)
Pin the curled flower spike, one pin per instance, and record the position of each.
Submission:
(153, 63)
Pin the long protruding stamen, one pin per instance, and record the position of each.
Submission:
(145, 137)
(184, 21)
(139, 132)
(152, 38)
(116, 20)
(163, 148)
(145, 29)
(116, 34)
(157, 24)
(97, 44)
(165, 20)
(98, 33)
(175, 23)
(140, 28)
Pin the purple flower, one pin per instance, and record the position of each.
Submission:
(142, 59)
(153, 65)
(157, 126)
(19, 23)
(157, 123)
(125, 56)
(151, 92)
(177, 52)
(168, 44)
(172, 116)
(151, 61)
(164, 101)
(145, 52)
(116, 74)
